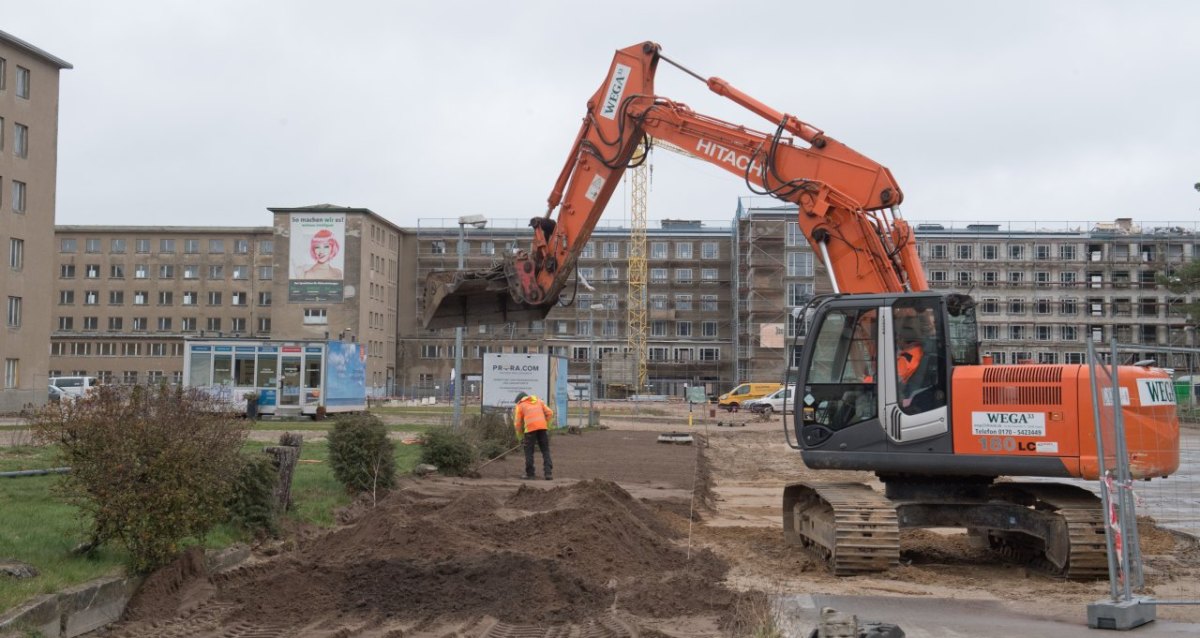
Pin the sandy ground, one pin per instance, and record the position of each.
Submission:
(634, 537)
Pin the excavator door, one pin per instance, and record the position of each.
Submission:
(873, 376)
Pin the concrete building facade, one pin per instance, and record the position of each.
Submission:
(29, 96)
(719, 298)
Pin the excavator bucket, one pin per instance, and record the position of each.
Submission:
(466, 298)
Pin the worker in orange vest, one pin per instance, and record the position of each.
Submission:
(531, 419)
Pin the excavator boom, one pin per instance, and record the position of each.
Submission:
(845, 199)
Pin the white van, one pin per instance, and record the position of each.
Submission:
(778, 401)
(74, 387)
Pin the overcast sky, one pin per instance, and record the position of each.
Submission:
(209, 111)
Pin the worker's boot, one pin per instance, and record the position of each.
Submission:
(528, 478)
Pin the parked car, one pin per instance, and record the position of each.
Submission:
(734, 399)
(74, 387)
(782, 400)
(57, 395)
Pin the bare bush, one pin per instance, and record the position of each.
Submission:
(150, 466)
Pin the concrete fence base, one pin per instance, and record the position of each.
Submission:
(90, 606)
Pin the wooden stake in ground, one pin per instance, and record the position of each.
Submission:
(285, 456)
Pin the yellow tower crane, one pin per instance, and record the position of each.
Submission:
(636, 299)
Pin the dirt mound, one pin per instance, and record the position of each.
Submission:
(564, 555)
(174, 589)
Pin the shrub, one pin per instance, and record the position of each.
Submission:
(150, 466)
(252, 503)
(491, 435)
(362, 456)
(449, 451)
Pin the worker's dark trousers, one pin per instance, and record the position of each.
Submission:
(542, 439)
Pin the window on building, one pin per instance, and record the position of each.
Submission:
(990, 251)
(683, 302)
(190, 298)
(20, 140)
(237, 324)
(1044, 306)
(241, 272)
(164, 324)
(141, 297)
(214, 298)
(266, 246)
(141, 246)
(438, 247)
(657, 275)
(1043, 333)
(12, 373)
(187, 324)
(91, 245)
(16, 253)
(213, 323)
(1067, 307)
(963, 251)
(1016, 306)
(264, 324)
(1016, 277)
(800, 264)
(683, 250)
(1042, 279)
(241, 246)
(66, 271)
(964, 278)
(1068, 333)
(1016, 333)
(710, 250)
(66, 297)
(139, 324)
(264, 298)
(23, 82)
(708, 303)
(710, 354)
(191, 271)
(708, 329)
(238, 299)
(92, 271)
(709, 274)
(612, 250)
(938, 251)
(798, 293)
(1067, 278)
(1066, 252)
(487, 247)
(191, 246)
(610, 274)
(216, 271)
(658, 328)
(991, 332)
(794, 237)
(315, 316)
(683, 275)
(1016, 252)
(216, 246)
(583, 328)
(116, 297)
(1041, 252)
(166, 246)
(683, 328)
(431, 351)
(66, 323)
(658, 250)
(989, 306)
(266, 272)
(166, 271)
(166, 298)
(116, 324)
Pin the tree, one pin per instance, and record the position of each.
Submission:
(1181, 282)
(150, 466)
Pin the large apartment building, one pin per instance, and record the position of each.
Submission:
(719, 298)
(126, 297)
(29, 80)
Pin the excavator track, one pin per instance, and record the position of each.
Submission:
(853, 527)
(1075, 546)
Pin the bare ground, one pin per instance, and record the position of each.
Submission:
(635, 537)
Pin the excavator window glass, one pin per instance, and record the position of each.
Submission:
(920, 344)
(839, 388)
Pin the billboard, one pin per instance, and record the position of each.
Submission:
(316, 256)
(770, 335)
(506, 375)
(345, 374)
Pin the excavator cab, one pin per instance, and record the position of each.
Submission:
(874, 376)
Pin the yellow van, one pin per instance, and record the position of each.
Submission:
(734, 399)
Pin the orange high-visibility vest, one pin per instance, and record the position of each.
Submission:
(532, 415)
(908, 360)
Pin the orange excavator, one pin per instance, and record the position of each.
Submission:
(889, 376)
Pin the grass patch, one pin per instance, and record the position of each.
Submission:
(40, 529)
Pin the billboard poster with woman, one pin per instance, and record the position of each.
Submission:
(316, 257)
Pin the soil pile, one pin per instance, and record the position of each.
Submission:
(578, 555)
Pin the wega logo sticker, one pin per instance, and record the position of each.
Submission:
(1107, 394)
(593, 190)
(1156, 392)
(616, 88)
(1008, 423)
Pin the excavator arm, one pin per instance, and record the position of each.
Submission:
(846, 201)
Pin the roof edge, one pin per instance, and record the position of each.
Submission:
(29, 48)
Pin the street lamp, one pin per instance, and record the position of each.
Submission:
(592, 361)
(474, 221)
